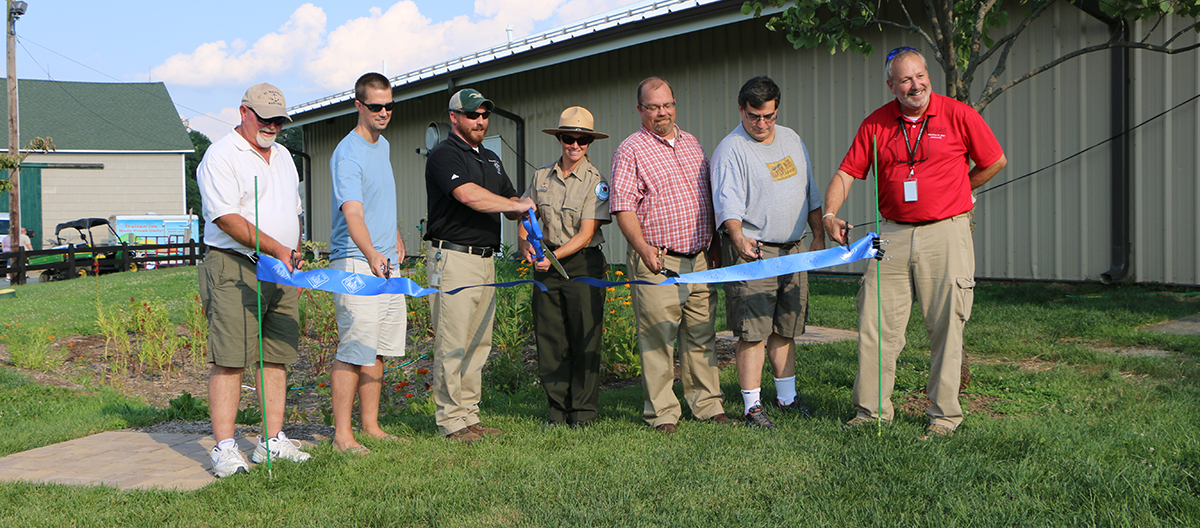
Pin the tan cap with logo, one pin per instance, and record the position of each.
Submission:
(266, 101)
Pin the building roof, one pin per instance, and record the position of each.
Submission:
(106, 117)
(556, 45)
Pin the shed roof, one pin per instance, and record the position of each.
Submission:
(106, 117)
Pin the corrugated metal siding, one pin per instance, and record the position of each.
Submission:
(1166, 241)
(1053, 225)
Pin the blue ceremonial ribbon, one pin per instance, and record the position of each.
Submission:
(763, 269)
(271, 269)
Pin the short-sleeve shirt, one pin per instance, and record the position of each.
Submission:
(768, 187)
(362, 172)
(668, 186)
(564, 202)
(452, 163)
(954, 134)
(227, 178)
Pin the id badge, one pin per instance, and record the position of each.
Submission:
(435, 269)
(910, 190)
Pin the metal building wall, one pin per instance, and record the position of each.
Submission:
(1054, 225)
(1166, 191)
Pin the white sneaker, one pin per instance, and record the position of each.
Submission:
(285, 448)
(228, 462)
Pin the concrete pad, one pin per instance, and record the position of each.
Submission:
(122, 459)
(1184, 326)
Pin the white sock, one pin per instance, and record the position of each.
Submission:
(227, 443)
(281, 437)
(785, 389)
(750, 398)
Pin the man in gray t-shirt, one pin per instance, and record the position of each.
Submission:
(763, 194)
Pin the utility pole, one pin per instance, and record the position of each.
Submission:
(15, 10)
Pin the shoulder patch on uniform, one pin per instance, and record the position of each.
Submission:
(454, 177)
(602, 191)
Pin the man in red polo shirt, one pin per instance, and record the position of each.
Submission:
(926, 143)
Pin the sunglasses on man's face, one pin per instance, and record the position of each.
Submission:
(476, 115)
(375, 107)
(892, 54)
(277, 121)
(572, 140)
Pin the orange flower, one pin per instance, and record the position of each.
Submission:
(422, 371)
(625, 303)
(396, 387)
(402, 384)
(409, 395)
(612, 311)
(620, 273)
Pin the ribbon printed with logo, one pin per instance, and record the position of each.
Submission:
(272, 270)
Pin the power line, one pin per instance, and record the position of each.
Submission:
(62, 86)
(21, 40)
(1080, 153)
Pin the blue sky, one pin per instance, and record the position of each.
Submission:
(208, 52)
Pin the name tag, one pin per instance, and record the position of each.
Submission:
(782, 169)
(910, 190)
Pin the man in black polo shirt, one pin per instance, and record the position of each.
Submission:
(467, 187)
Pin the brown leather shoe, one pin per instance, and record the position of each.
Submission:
(720, 418)
(480, 430)
(667, 428)
(465, 436)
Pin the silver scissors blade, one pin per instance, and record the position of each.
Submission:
(554, 261)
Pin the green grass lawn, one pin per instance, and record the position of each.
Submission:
(1074, 437)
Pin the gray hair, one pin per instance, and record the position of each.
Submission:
(901, 52)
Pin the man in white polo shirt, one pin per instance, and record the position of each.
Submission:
(248, 180)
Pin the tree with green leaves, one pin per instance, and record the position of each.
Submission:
(960, 31)
(200, 144)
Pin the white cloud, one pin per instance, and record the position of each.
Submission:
(217, 63)
(216, 126)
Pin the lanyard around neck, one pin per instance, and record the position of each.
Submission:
(910, 145)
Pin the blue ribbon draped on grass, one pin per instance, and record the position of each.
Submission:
(763, 269)
(272, 270)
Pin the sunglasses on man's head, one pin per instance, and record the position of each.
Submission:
(572, 140)
(375, 107)
(277, 121)
(892, 54)
(476, 115)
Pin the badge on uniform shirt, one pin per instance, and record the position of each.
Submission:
(602, 191)
(544, 187)
(782, 169)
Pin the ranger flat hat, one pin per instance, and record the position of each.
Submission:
(576, 120)
(266, 101)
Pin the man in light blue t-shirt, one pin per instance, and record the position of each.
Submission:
(763, 194)
(365, 240)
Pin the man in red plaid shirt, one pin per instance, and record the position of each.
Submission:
(662, 199)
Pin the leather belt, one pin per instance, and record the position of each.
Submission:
(915, 224)
(227, 251)
(674, 253)
(784, 246)
(485, 252)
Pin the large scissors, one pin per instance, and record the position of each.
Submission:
(533, 234)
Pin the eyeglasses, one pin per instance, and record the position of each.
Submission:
(475, 115)
(374, 108)
(277, 121)
(572, 140)
(654, 107)
(892, 54)
(768, 118)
